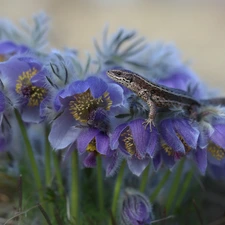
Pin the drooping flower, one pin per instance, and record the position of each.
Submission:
(211, 141)
(25, 79)
(179, 136)
(135, 208)
(136, 143)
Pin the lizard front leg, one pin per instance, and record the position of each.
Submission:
(151, 115)
(144, 94)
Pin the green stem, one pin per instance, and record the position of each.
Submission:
(117, 188)
(184, 188)
(100, 185)
(47, 158)
(75, 188)
(175, 186)
(144, 179)
(58, 174)
(159, 186)
(30, 153)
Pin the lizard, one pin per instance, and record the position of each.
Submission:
(153, 94)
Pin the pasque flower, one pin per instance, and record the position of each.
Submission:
(9, 48)
(211, 142)
(135, 208)
(179, 136)
(85, 107)
(136, 143)
(25, 79)
(184, 79)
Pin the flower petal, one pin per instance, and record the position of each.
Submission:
(157, 161)
(112, 162)
(114, 143)
(201, 159)
(137, 166)
(102, 143)
(153, 142)
(84, 138)
(189, 133)
(140, 136)
(90, 160)
(115, 93)
(31, 114)
(168, 160)
(63, 131)
(218, 136)
(76, 87)
(2, 102)
(7, 47)
(97, 86)
(169, 135)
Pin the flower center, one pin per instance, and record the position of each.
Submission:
(84, 103)
(25, 88)
(216, 151)
(2, 58)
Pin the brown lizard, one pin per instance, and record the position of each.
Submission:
(153, 94)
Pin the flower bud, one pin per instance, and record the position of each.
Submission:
(136, 209)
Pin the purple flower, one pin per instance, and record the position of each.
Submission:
(214, 152)
(136, 209)
(25, 79)
(8, 49)
(211, 141)
(178, 137)
(184, 79)
(84, 122)
(136, 143)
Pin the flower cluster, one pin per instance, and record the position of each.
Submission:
(97, 117)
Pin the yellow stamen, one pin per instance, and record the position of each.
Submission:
(85, 103)
(25, 88)
(92, 146)
(2, 58)
(216, 151)
(128, 141)
(168, 149)
(171, 152)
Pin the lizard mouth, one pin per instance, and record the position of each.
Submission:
(115, 75)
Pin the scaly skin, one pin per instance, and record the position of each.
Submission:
(154, 95)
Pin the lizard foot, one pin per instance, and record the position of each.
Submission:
(149, 122)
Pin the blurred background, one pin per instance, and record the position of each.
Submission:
(197, 28)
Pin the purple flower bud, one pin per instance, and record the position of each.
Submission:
(136, 209)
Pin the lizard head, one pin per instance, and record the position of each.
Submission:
(124, 77)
